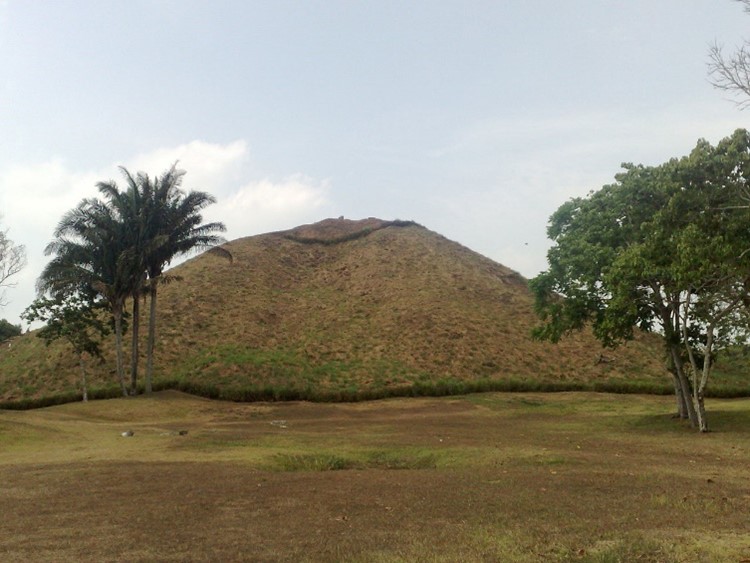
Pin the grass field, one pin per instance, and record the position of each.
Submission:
(488, 477)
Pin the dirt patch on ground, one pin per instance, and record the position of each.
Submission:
(229, 512)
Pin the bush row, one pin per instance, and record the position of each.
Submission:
(440, 388)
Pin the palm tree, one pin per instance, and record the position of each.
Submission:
(174, 227)
(128, 205)
(113, 247)
(93, 255)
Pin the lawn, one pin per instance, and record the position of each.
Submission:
(485, 477)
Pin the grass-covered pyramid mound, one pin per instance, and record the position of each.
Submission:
(345, 309)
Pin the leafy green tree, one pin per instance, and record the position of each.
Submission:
(75, 318)
(663, 249)
(709, 261)
(93, 253)
(593, 277)
(8, 330)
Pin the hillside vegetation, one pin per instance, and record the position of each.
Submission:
(346, 309)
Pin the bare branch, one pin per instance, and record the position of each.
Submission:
(12, 260)
(731, 73)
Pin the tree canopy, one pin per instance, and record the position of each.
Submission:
(117, 245)
(8, 330)
(75, 318)
(94, 254)
(664, 249)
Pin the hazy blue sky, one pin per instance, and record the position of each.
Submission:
(476, 119)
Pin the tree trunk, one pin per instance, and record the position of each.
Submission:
(134, 347)
(678, 327)
(681, 386)
(702, 422)
(700, 386)
(117, 314)
(682, 409)
(684, 387)
(682, 412)
(151, 337)
(83, 378)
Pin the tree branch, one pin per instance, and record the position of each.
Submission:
(731, 73)
(12, 260)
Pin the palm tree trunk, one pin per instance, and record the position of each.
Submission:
(117, 314)
(151, 337)
(134, 346)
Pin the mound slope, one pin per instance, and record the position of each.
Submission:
(345, 305)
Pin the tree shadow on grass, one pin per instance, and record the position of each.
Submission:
(724, 420)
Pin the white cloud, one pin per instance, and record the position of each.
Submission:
(266, 205)
(246, 206)
(210, 167)
(33, 198)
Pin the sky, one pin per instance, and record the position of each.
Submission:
(477, 119)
